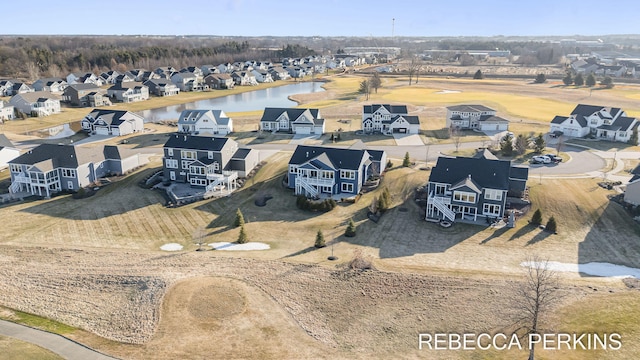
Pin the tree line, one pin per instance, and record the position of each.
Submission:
(39, 56)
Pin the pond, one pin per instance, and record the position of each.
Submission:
(248, 101)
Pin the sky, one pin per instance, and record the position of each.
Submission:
(373, 18)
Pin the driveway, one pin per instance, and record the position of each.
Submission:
(408, 139)
(60, 345)
(301, 139)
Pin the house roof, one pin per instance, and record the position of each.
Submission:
(469, 183)
(112, 117)
(469, 108)
(559, 119)
(271, 114)
(242, 153)
(208, 143)
(88, 86)
(493, 119)
(393, 109)
(50, 156)
(193, 116)
(484, 153)
(5, 143)
(338, 158)
(586, 110)
(624, 123)
(411, 119)
(486, 173)
(579, 118)
(37, 96)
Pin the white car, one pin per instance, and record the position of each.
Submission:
(540, 159)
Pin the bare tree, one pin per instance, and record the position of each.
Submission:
(199, 237)
(32, 70)
(535, 297)
(456, 135)
(414, 68)
(559, 145)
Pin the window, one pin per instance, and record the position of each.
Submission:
(348, 174)
(198, 182)
(196, 170)
(216, 166)
(210, 155)
(171, 163)
(70, 184)
(293, 169)
(491, 209)
(188, 154)
(327, 174)
(346, 187)
(464, 197)
(185, 164)
(68, 173)
(172, 175)
(326, 189)
(441, 189)
(491, 194)
(15, 168)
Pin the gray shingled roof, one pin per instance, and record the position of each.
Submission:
(49, 156)
(5, 143)
(271, 114)
(340, 158)
(469, 108)
(624, 123)
(586, 110)
(486, 173)
(179, 141)
(393, 109)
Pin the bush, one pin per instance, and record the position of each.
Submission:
(551, 226)
(325, 205)
(478, 75)
(320, 240)
(389, 164)
(406, 162)
(351, 229)
(536, 219)
(540, 78)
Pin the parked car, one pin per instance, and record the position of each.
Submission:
(541, 159)
(554, 158)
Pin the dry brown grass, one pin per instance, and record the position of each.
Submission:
(11, 348)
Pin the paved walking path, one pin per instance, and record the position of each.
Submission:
(60, 345)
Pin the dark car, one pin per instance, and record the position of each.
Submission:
(554, 158)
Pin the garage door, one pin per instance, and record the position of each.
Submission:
(400, 130)
(102, 131)
(303, 130)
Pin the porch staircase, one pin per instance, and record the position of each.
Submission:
(311, 190)
(14, 188)
(440, 205)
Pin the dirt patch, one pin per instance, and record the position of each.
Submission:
(216, 302)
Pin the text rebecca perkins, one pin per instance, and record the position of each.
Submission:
(499, 341)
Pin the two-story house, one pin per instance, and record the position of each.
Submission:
(473, 187)
(389, 119)
(187, 81)
(219, 81)
(213, 122)
(85, 95)
(112, 122)
(6, 111)
(39, 103)
(207, 163)
(291, 120)
(48, 168)
(55, 85)
(6, 87)
(609, 123)
(477, 117)
(162, 87)
(8, 151)
(316, 171)
(127, 92)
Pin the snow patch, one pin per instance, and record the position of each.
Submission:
(448, 92)
(592, 268)
(239, 247)
(171, 247)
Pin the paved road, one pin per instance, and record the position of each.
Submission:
(58, 344)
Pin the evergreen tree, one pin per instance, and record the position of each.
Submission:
(539, 144)
(239, 218)
(365, 88)
(351, 229)
(540, 78)
(242, 237)
(406, 162)
(568, 79)
(506, 145)
(579, 80)
(551, 225)
(607, 82)
(478, 75)
(633, 140)
(320, 240)
(536, 219)
(521, 144)
(591, 81)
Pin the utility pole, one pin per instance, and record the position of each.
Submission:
(393, 25)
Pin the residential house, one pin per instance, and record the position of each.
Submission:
(209, 69)
(48, 169)
(137, 74)
(55, 85)
(8, 151)
(127, 92)
(611, 70)
(389, 119)
(165, 72)
(244, 78)
(162, 87)
(278, 73)
(214, 122)
(186, 81)
(316, 171)
(124, 78)
(207, 163)
(291, 120)
(219, 81)
(7, 111)
(109, 77)
(84, 78)
(226, 68)
(473, 188)
(296, 71)
(477, 117)
(632, 189)
(112, 122)
(609, 123)
(38, 103)
(195, 71)
(85, 95)
(20, 88)
(6, 87)
(262, 76)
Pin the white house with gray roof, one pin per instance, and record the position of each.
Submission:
(608, 123)
(6, 111)
(477, 117)
(292, 120)
(39, 103)
(49, 168)
(213, 122)
(389, 119)
(8, 151)
(112, 122)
